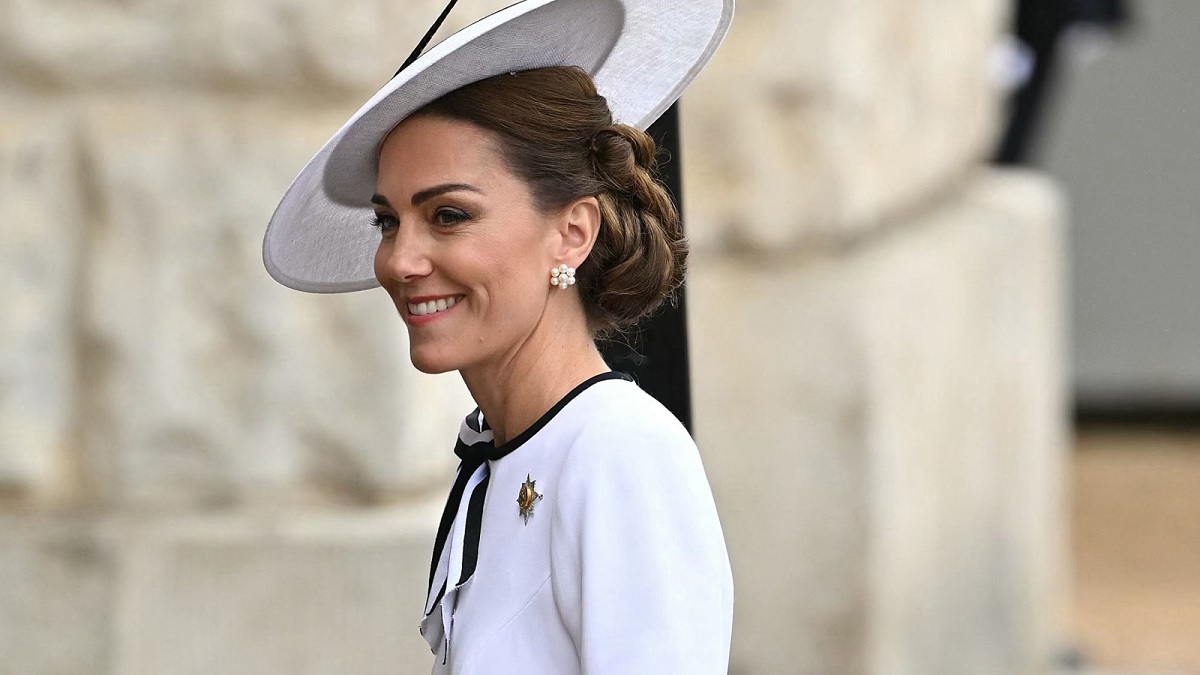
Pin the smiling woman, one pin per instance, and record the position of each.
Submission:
(487, 244)
(503, 180)
(612, 559)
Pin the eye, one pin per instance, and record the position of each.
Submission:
(384, 222)
(448, 217)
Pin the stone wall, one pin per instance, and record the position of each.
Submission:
(820, 121)
(203, 472)
(883, 430)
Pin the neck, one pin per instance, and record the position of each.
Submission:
(519, 387)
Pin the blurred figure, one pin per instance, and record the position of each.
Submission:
(1041, 26)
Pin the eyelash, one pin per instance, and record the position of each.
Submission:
(457, 217)
(384, 222)
(377, 222)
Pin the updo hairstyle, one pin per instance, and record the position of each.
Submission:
(557, 134)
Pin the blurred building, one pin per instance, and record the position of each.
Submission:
(203, 472)
(1123, 143)
(1120, 138)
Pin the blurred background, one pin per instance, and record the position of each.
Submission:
(942, 316)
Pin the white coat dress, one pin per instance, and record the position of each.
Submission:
(589, 545)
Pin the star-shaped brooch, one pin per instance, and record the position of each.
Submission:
(527, 497)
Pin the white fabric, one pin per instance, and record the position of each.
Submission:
(641, 53)
(621, 569)
(440, 615)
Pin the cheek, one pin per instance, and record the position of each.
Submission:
(511, 282)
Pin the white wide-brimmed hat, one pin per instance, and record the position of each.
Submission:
(642, 54)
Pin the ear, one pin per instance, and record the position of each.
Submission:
(577, 229)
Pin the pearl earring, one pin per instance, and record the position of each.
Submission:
(562, 276)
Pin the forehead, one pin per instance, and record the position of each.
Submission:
(433, 149)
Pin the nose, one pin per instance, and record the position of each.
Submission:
(403, 257)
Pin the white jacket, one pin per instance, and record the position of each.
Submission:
(619, 567)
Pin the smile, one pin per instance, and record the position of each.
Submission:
(433, 306)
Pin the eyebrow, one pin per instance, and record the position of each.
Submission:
(425, 195)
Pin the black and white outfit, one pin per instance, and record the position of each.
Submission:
(589, 544)
(613, 560)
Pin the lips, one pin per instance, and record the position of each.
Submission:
(433, 305)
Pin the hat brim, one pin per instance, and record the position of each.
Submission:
(642, 54)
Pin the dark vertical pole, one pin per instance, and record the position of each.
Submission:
(657, 353)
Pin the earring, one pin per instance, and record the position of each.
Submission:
(562, 276)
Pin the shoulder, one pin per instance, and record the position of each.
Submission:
(619, 411)
(628, 448)
(639, 568)
(620, 424)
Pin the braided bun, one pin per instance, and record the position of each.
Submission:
(557, 133)
(640, 255)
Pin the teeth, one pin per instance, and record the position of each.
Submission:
(423, 308)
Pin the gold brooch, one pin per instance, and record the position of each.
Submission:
(527, 497)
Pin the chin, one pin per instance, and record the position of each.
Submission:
(432, 361)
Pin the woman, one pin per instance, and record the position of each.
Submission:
(515, 222)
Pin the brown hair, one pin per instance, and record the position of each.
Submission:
(558, 134)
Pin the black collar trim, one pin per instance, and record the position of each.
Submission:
(474, 458)
(487, 451)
